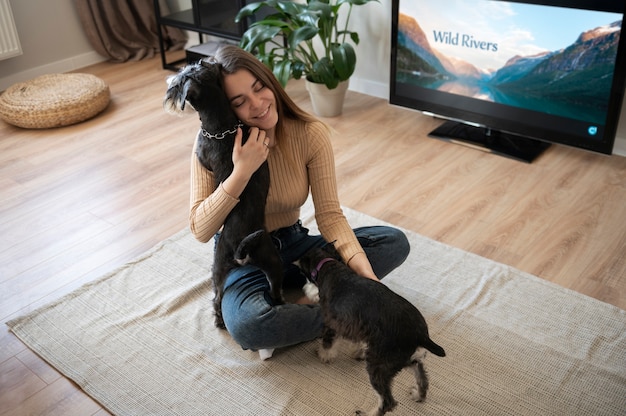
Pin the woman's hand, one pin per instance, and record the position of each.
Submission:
(247, 158)
(362, 266)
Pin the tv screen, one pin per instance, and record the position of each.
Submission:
(512, 76)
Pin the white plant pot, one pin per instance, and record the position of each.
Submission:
(327, 103)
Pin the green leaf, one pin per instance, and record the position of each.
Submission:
(290, 8)
(251, 9)
(355, 37)
(356, 2)
(282, 71)
(323, 7)
(326, 18)
(258, 35)
(300, 35)
(285, 9)
(324, 73)
(275, 21)
(344, 58)
(307, 17)
(297, 69)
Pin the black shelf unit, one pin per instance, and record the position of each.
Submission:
(206, 17)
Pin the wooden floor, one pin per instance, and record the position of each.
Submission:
(81, 200)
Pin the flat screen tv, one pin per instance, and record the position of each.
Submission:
(512, 76)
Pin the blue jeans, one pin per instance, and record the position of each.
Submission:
(256, 323)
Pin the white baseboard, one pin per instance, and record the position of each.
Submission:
(369, 87)
(65, 65)
(620, 146)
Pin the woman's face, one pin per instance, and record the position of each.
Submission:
(253, 102)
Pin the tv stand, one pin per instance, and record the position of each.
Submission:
(205, 17)
(493, 141)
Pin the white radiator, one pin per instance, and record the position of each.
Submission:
(9, 41)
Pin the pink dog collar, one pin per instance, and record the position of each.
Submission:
(316, 271)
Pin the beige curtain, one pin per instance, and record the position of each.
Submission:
(126, 29)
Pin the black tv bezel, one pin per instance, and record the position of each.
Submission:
(491, 118)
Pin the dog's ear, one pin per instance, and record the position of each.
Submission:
(332, 250)
(186, 87)
(191, 93)
(177, 92)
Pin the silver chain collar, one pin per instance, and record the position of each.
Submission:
(220, 136)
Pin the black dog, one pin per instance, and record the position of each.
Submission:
(243, 238)
(364, 311)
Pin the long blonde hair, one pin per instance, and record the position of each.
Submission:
(232, 59)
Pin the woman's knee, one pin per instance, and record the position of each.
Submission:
(386, 247)
(400, 243)
(247, 322)
(398, 248)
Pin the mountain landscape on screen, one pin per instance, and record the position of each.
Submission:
(573, 82)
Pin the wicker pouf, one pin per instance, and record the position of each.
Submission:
(54, 100)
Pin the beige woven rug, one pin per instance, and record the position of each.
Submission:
(141, 341)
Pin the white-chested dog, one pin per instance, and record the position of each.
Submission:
(364, 311)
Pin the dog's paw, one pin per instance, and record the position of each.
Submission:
(358, 350)
(417, 394)
(326, 355)
(311, 291)
(219, 321)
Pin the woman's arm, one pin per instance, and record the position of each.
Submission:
(330, 219)
(362, 266)
(210, 203)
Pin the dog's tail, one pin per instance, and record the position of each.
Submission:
(434, 348)
(259, 250)
(250, 250)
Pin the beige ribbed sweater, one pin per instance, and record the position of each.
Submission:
(301, 159)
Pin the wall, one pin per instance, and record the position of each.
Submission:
(53, 40)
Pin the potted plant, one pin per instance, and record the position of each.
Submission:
(305, 39)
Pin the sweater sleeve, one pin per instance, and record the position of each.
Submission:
(329, 216)
(209, 203)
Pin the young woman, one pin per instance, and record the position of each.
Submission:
(299, 153)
